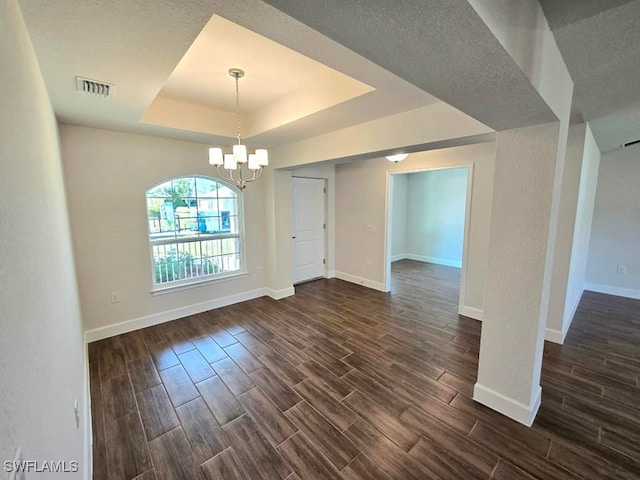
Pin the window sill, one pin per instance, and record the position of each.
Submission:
(201, 282)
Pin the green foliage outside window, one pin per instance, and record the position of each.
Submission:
(180, 265)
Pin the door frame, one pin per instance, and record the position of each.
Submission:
(326, 273)
(386, 281)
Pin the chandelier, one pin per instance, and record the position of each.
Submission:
(238, 160)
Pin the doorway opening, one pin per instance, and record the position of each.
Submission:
(428, 215)
(309, 229)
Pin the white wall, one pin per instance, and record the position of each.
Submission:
(615, 233)
(42, 360)
(107, 175)
(436, 122)
(436, 214)
(361, 202)
(398, 222)
(582, 230)
(555, 330)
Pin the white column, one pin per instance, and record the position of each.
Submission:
(279, 229)
(517, 289)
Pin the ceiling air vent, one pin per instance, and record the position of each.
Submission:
(94, 87)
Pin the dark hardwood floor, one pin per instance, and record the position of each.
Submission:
(341, 381)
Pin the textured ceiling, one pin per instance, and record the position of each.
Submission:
(442, 47)
(138, 44)
(401, 49)
(600, 43)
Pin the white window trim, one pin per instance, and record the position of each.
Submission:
(170, 287)
(199, 282)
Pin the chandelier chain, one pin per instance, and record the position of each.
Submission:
(238, 108)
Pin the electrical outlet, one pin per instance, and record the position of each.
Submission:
(115, 297)
(622, 269)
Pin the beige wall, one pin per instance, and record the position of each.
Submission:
(438, 122)
(361, 204)
(107, 174)
(42, 360)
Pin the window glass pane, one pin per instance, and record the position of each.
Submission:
(162, 218)
(228, 205)
(226, 192)
(208, 223)
(163, 190)
(214, 265)
(153, 215)
(230, 245)
(165, 259)
(182, 209)
(231, 262)
(210, 248)
(182, 188)
(183, 217)
(206, 187)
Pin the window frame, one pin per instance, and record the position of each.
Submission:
(176, 285)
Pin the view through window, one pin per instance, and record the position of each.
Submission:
(194, 229)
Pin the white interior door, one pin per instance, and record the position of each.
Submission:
(309, 228)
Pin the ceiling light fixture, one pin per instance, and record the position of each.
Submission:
(398, 157)
(238, 159)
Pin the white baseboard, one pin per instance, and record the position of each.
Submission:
(360, 281)
(166, 316)
(509, 407)
(471, 312)
(401, 256)
(555, 336)
(278, 294)
(611, 290)
(437, 261)
(331, 274)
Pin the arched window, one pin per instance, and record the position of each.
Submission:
(195, 230)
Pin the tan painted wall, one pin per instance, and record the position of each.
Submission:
(107, 175)
(361, 201)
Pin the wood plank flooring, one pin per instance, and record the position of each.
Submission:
(340, 381)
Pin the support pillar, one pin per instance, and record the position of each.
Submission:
(517, 288)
